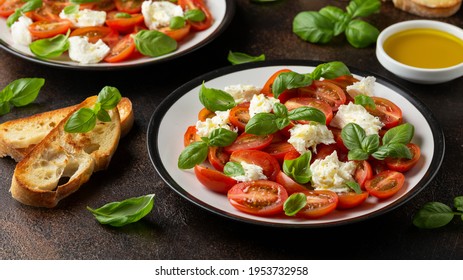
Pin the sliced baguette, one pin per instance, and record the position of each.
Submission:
(18, 137)
(62, 162)
(429, 8)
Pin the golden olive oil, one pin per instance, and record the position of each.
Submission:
(425, 48)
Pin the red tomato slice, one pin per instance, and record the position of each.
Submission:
(292, 155)
(319, 204)
(297, 102)
(249, 142)
(217, 158)
(100, 5)
(337, 137)
(213, 179)
(261, 197)
(363, 173)
(190, 136)
(129, 6)
(123, 25)
(385, 184)
(239, 116)
(9, 6)
(197, 4)
(285, 95)
(403, 164)
(177, 34)
(123, 50)
(94, 33)
(48, 29)
(289, 184)
(349, 200)
(205, 114)
(387, 112)
(269, 164)
(325, 91)
(323, 151)
(343, 81)
(49, 11)
(278, 150)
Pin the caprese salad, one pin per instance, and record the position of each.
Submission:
(90, 31)
(302, 145)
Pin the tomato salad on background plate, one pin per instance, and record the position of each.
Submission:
(93, 34)
(294, 145)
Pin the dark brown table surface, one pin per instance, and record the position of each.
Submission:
(177, 229)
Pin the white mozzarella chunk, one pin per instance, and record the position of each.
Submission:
(84, 52)
(332, 174)
(366, 86)
(305, 136)
(252, 172)
(261, 104)
(20, 32)
(157, 14)
(220, 120)
(353, 113)
(242, 93)
(85, 18)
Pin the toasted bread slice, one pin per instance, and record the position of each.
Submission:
(429, 8)
(62, 162)
(18, 137)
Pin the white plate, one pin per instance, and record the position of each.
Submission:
(180, 109)
(221, 10)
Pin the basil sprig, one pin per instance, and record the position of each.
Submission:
(154, 43)
(437, 214)
(215, 99)
(50, 47)
(196, 152)
(299, 168)
(294, 203)
(30, 5)
(84, 120)
(121, 213)
(322, 26)
(290, 80)
(236, 58)
(362, 146)
(20, 92)
(268, 123)
(194, 15)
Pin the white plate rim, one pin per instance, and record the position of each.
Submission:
(157, 119)
(218, 27)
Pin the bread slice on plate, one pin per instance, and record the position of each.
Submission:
(18, 137)
(62, 162)
(429, 8)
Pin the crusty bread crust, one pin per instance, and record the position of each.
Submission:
(429, 8)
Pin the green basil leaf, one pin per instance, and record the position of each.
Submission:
(25, 90)
(280, 110)
(222, 137)
(307, 114)
(363, 8)
(338, 16)
(294, 203)
(50, 47)
(313, 27)
(193, 154)
(289, 80)
(84, 120)
(262, 124)
(433, 215)
(109, 97)
(13, 17)
(83, 1)
(122, 15)
(330, 70)
(124, 212)
(282, 123)
(352, 135)
(154, 43)
(458, 203)
(71, 9)
(354, 186)
(299, 168)
(365, 101)
(103, 116)
(177, 22)
(357, 154)
(215, 99)
(30, 5)
(4, 107)
(361, 34)
(392, 150)
(233, 169)
(370, 143)
(236, 58)
(402, 134)
(195, 15)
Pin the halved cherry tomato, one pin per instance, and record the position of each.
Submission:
(403, 164)
(190, 136)
(363, 173)
(48, 29)
(279, 149)
(385, 184)
(49, 11)
(94, 33)
(297, 102)
(343, 81)
(377, 166)
(337, 137)
(387, 112)
(123, 50)
(323, 151)
(213, 179)
(289, 184)
(176, 34)
(205, 114)
(319, 204)
(239, 116)
(101, 5)
(349, 200)
(217, 157)
(247, 141)
(123, 25)
(197, 4)
(261, 197)
(292, 155)
(270, 166)
(9, 6)
(326, 91)
(285, 95)
(129, 6)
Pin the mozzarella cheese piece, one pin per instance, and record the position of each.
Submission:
(261, 103)
(252, 172)
(353, 113)
(82, 51)
(332, 174)
(242, 93)
(158, 14)
(85, 18)
(305, 136)
(220, 120)
(20, 32)
(365, 86)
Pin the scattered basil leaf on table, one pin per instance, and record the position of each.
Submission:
(20, 92)
(299, 168)
(236, 58)
(215, 99)
(313, 27)
(294, 203)
(361, 34)
(154, 43)
(433, 215)
(458, 203)
(121, 213)
(50, 47)
(338, 16)
(30, 5)
(363, 8)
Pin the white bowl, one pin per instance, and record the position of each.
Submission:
(416, 74)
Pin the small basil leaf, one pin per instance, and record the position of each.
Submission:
(215, 99)
(370, 143)
(433, 215)
(84, 120)
(71, 9)
(83, 1)
(289, 80)
(282, 123)
(458, 203)
(13, 17)
(393, 150)
(103, 116)
(294, 203)
(124, 212)
(262, 124)
(177, 22)
(193, 154)
(195, 15)
(123, 15)
(25, 90)
(239, 58)
(50, 47)
(365, 101)
(354, 186)
(154, 43)
(363, 8)
(307, 114)
(233, 169)
(313, 27)
(280, 110)
(222, 137)
(361, 34)
(109, 97)
(357, 154)
(4, 107)
(338, 16)
(402, 134)
(330, 70)
(352, 135)
(299, 168)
